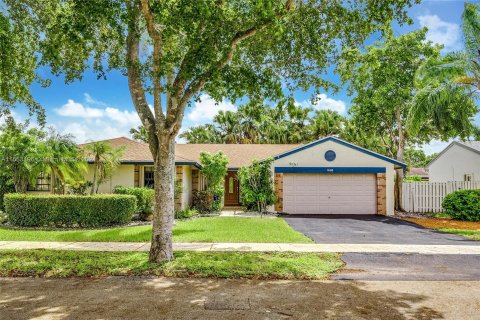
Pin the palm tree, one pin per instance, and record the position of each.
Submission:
(62, 161)
(139, 133)
(202, 134)
(449, 86)
(105, 159)
(326, 123)
(229, 127)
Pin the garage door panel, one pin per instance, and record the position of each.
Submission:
(329, 193)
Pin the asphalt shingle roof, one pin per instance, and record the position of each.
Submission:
(238, 154)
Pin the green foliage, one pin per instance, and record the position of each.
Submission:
(139, 134)
(202, 201)
(448, 85)
(416, 158)
(105, 159)
(463, 205)
(21, 156)
(68, 210)
(257, 122)
(412, 179)
(214, 169)
(185, 213)
(6, 186)
(145, 199)
(256, 185)
(78, 188)
(383, 80)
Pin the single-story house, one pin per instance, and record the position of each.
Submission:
(327, 176)
(459, 161)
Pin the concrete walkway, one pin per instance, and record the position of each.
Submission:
(263, 247)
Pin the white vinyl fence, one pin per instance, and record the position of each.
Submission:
(428, 196)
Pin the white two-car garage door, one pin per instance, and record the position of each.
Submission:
(329, 193)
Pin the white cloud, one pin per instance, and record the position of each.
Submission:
(95, 120)
(323, 102)
(125, 118)
(441, 32)
(207, 109)
(75, 109)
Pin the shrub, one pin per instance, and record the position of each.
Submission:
(256, 185)
(6, 186)
(185, 213)
(412, 179)
(463, 205)
(214, 169)
(69, 210)
(145, 198)
(202, 201)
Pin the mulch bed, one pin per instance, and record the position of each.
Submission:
(441, 223)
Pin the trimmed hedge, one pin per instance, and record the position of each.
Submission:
(145, 198)
(69, 210)
(463, 205)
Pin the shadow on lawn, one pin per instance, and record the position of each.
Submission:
(166, 298)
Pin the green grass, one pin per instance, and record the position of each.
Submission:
(211, 229)
(471, 234)
(439, 215)
(255, 265)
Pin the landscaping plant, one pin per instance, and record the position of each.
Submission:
(256, 185)
(68, 210)
(185, 213)
(463, 205)
(145, 198)
(214, 169)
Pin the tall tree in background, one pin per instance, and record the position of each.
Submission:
(227, 49)
(382, 79)
(139, 134)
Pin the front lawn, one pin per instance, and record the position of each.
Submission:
(471, 234)
(208, 229)
(256, 265)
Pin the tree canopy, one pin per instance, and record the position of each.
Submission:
(173, 50)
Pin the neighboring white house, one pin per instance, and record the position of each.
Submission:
(327, 176)
(459, 161)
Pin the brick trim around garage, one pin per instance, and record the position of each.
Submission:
(381, 193)
(278, 189)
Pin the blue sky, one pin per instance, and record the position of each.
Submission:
(98, 109)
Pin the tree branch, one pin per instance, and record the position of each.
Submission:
(156, 36)
(135, 84)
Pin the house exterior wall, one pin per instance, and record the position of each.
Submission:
(187, 187)
(124, 175)
(454, 164)
(345, 157)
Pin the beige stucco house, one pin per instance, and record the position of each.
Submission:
(328, 176)
(459, 161)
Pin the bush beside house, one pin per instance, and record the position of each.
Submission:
(256, 185)
(145, 199)
(69, 210)
(214, 169)
(463, 205)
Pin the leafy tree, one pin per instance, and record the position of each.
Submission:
(256, 185)
(415, 158)
(383, 80)
(214, 169)
(227, 49)
(20, 157)
(62, 161)
(139, 133)
(448, 86)
(105, 160)
(326, 123)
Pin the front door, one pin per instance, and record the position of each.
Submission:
(232, 194)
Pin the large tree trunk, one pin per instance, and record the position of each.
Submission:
(163, 211)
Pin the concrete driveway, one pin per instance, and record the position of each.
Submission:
(370, 229)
